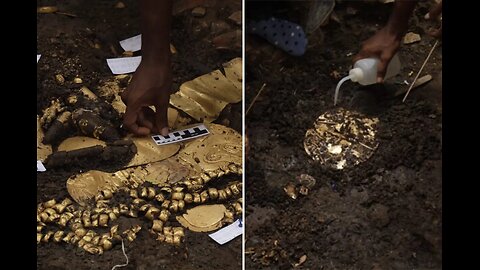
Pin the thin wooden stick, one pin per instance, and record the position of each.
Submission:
(255, 98)
(420, 71)
(66, 14)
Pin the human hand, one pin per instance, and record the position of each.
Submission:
(150, 85)
(383, 45)
(435, 15)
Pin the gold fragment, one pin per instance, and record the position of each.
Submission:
(238, 208)
(169, 239)
(165, 204)
(106, 244)
(235, 188)
(181, 205)
(203, 218)
(114, 230)
(133, 193)
(47, 236)
(47, 9)
(178, 231)
(50, 203)
(205, 97)
(144, 193)
(107, 194)
(291, 190)
(152, 213)
(173, 206)
(95, 240)
(177, 195)
(188, 198)
(80, 232)
(157, 225)
(68, 237)
(203, 196)
(222, 195)
(196, 197)
(228, 192)
(65, 218)
(103, 220)
(138, 201)
(60, 79)
(164, 214)
(177, 240)
(112, 216)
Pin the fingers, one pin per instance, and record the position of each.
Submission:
(434, 12)
(382, 68)
(436, 33)
(161, 118)
(130, 122)
(146, 118)
(124, 95)
(357, 57)
(360, 55)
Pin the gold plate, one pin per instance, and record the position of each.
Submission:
(148, 151)
(216, 151)
(86, 185)
(341, 138)
(79, 142)
(233, 72)
(203, 218)
(203, 98)
(169, 171)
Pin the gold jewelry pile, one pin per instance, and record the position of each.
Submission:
(341, 139)
(160, 191)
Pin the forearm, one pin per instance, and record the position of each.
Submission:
(156, 22)
(398, 21)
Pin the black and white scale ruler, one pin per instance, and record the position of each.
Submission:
(181, 135)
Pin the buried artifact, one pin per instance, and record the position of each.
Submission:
(161, 192)
(341, 139)
(158, 185)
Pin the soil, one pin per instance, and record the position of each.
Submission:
(385, 213)
(67, 45)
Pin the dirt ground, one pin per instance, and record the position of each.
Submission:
(385, 213)
(67, 45)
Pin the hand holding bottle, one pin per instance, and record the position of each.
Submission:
(385, 43)
(383, 46)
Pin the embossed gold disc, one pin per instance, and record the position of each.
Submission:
(79, 142)
(341, 138)
(203, 218)
(148, 151)
(216, 151)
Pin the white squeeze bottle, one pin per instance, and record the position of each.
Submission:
(364, 72)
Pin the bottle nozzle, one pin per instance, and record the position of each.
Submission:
(349, 77)
(355, 74)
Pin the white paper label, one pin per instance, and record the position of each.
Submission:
(228, 233)
(132, 44)
(40, 167)
(124, 65)
(38, 57)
